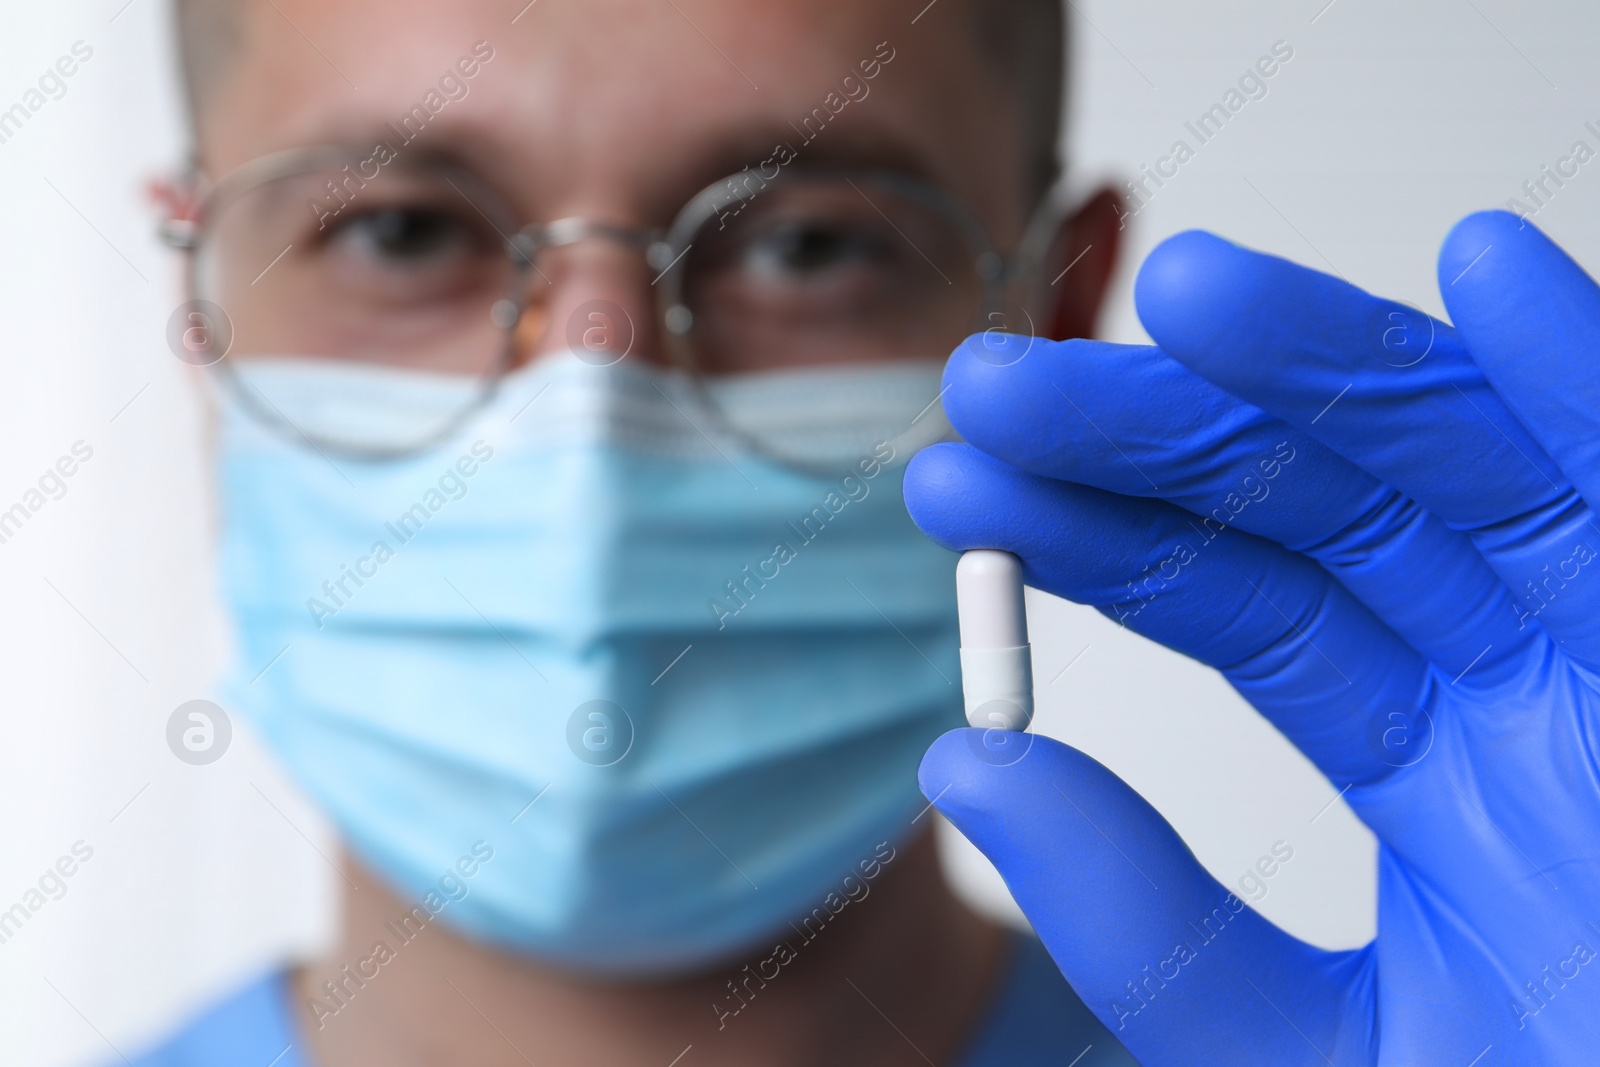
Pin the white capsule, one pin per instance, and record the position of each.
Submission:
(996, 663)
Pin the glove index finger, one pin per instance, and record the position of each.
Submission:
(1131, 420)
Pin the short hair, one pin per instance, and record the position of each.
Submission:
(1025, 41)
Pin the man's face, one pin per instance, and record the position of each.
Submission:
(620, 110)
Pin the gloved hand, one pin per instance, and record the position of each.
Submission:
(1380, 529)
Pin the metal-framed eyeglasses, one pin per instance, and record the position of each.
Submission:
(410, 261)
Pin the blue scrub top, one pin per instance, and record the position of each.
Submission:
(1034, 1018)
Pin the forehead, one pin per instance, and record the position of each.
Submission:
(624, 108)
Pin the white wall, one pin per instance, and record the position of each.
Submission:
(107, 622)
(1390, 121)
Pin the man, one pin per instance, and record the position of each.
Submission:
(518, 892)
(518, 369)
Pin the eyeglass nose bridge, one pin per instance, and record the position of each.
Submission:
(660, 252)
(572, 229)
(659, 249)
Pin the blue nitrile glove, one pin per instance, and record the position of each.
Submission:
(1408, 588)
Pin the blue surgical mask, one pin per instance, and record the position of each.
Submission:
(678, 691)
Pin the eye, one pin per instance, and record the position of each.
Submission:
(407, 236)
(811, 248)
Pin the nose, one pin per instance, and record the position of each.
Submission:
(595, 298)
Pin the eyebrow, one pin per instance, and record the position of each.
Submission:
(875, 149)
(480, 150)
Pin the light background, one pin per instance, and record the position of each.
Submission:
(1390, 122)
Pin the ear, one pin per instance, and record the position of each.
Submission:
(1084, 257)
